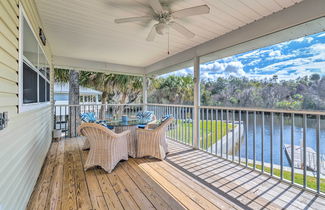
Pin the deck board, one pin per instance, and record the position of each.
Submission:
(187, 179)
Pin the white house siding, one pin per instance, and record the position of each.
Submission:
(25, 142)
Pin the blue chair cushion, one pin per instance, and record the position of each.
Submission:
(103, 123)
(167, 116)
(164, 118)
(147, 115)
(88, 117)
(141, 126)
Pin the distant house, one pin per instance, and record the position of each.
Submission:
(87, 95)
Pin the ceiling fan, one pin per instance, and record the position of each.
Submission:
(166, 18)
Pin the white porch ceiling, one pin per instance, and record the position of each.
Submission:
(85, 30)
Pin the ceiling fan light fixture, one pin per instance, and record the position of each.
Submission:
(161, 28)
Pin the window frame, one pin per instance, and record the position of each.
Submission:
(22, 59)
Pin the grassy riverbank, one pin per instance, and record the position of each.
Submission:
(299, 178)
(183, 132)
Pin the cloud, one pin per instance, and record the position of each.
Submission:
(321, 35)
(275, 53)
(235, 69)
(307, 39)
(213, 69)
(286, 60)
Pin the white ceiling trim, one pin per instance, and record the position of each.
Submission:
(300, 13)
(88, 65)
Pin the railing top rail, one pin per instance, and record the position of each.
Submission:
(174, 105)
(266, 110)
(66, 105)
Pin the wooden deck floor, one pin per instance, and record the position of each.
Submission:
(186, 179)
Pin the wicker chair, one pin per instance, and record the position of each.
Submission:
(153, 142)
(106, 147)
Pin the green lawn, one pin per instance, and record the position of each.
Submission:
(299, 178)
(183, 132)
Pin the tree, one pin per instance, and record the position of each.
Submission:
(115, 88)
(315, 77)
(172, 89)
(74, 111)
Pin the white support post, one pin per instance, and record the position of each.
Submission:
(145, 93)
(196, 113)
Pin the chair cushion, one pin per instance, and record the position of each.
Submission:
(103, 123)
(147, 115)
(164, 118)
(88, 117)
(141, 126)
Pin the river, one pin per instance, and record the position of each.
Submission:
(298, 136)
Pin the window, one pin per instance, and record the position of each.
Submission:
(35, 71)
(30, 88)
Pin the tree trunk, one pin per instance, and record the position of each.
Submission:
(103, 107)
(122, 101)
(74, 111)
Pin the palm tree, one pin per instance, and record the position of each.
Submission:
(122, 89)
(71, 76)
(74, 111)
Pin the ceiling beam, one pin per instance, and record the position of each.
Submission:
(96, 66)
(298, 14)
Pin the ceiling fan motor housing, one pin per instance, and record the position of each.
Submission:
(163, 17)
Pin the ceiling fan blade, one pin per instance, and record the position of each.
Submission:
(181, 29)
(198, 10)
(133, 19)
(156, 6)
(152, 34)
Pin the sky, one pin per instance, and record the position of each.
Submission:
(288, 60)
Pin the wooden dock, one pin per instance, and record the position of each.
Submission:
(311, 158)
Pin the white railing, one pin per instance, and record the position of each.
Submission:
(285, 144)
(181, 129)
(67, 117)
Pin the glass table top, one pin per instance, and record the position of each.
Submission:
(129, 122)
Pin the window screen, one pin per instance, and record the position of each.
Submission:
(30, 85)
(48, 91)
(41, 87)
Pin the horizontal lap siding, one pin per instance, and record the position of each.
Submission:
(25, 142)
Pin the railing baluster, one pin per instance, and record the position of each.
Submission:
(177, 123)
(216, 152)
(239, 147)
(211, 127)
(227, 119)
(262, 141)
(60, 118)
(187, 128)
(271, 144)
(292, 148)
(254, 141)
(66, 124)
(221, 131)
(318, 152)
(246, 140)
(233, 135)
(304, 149)
(174, 124)
(188, 131)
(202, 133)
(206, 129)
(281, 147)
(183, 126)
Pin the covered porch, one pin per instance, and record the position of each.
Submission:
(213, 161)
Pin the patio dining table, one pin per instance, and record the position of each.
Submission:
(131, 125)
